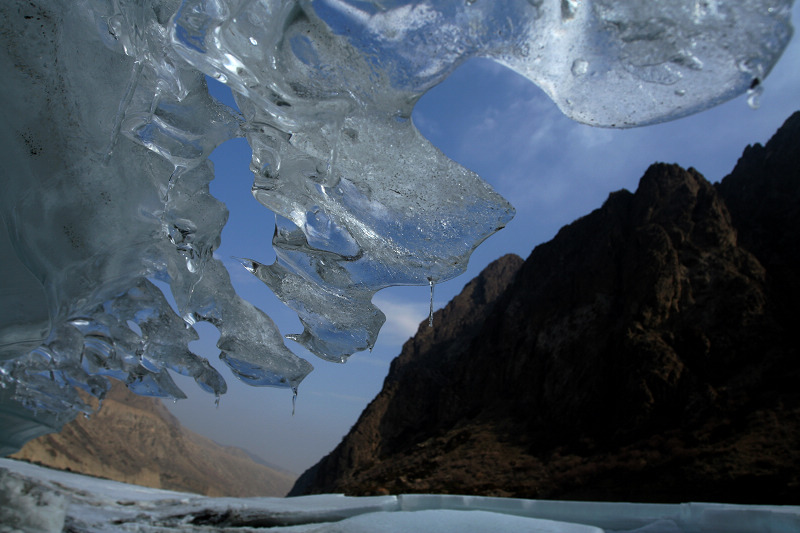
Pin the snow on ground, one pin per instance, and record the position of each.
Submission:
(37, 499)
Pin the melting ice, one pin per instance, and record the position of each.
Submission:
(108, 124)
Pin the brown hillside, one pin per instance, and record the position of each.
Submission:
(135, 439)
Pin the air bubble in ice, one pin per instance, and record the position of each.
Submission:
(580, 67)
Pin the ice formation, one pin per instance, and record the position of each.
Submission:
(108, 124)
(44, 500)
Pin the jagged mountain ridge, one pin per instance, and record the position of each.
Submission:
(136, 440)
(643, 354)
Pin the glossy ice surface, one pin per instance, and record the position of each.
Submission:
(108, 125)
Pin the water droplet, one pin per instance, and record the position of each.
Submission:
(580, 67)
(754, 96)
(216, 401)
(253, 41)
(680, 92)
(430, 313)
(294, 399)
(568, 9)
(755, 70)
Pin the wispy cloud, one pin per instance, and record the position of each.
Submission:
(402, 318)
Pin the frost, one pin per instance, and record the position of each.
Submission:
(108, 124)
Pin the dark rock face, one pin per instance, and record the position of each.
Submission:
(644, 354)
(413, 403)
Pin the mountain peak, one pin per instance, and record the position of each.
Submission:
(642, 354)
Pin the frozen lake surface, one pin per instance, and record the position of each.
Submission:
(39, 499)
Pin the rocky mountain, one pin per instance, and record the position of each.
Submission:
(646, 353)
(137, 440)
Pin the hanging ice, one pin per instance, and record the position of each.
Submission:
(107, 126)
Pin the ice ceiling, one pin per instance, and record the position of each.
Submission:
(107, 125)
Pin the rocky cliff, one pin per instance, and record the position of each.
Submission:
(646, 353)
(135, 439)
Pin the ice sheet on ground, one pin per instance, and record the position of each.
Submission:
(108, 125)
(446, 521)
(90, 504)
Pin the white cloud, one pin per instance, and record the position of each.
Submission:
(402, 319)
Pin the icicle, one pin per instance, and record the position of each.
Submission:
(216, 401)
(123, 106)
(294, 398)
(430, 313)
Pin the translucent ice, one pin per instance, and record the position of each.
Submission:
(108, 124)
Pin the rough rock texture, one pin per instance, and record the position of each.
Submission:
(646, 353)
(137, 440)
(411, 402)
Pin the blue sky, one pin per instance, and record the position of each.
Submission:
(550, 168)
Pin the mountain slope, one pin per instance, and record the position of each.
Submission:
(415, 378)
(137, 440)
(643, 354)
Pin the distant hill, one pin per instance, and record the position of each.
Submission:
(137, 440)
(647, 353)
